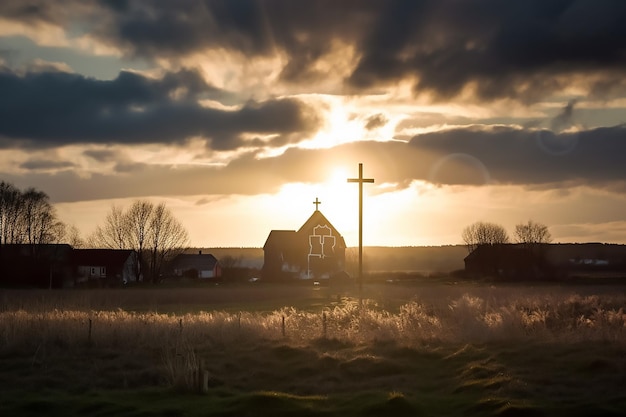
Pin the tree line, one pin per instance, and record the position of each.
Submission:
(28, 217)
(151, 230)
(530, 233)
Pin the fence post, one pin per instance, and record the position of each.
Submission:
(198, 379)
(205, 382)
(89, 334)
(283, 326)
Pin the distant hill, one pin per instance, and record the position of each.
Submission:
(429, 259)
(249, 257)
(375, 258)
(425, 259)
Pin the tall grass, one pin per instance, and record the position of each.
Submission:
(467, 318)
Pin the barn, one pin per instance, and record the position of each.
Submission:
(316, 250)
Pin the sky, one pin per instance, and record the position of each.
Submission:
(238, 114)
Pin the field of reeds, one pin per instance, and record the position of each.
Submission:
(394, 350)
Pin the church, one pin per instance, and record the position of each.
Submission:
(315, 251)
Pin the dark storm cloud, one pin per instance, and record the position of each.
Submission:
(475, 155)
(507, 48)
(47, 109)
(472, 156)
(515, 156)
(510, 49)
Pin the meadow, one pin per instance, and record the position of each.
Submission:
(432, 348)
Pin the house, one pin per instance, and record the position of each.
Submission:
(104, 267)
(200, 265)
(41, 265)
(588, 259)
(525, 261)
(505, 261)
(316, 250)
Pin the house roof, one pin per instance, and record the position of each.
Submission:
(100, 257)
(280, 238)
(50, 251)
(498, 249)
(198, 261)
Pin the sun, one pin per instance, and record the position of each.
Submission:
(339, 200)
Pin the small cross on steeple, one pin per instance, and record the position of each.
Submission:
(317, 203)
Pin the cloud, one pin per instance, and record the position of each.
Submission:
(46, 109)
(520, 50)
(46, 164)
(524, 156)
(473, 156)
(375, 121)
(103, 155)
(564, 119)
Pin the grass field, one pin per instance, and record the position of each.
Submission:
(431, 349)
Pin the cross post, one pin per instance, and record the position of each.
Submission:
(361, 180)
(317, 203)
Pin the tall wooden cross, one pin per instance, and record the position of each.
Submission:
(317, 203)
(361, 180)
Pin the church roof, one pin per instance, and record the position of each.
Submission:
(317, 218)
(287, 238)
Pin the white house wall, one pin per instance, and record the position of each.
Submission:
(128, 273)
(206, 274)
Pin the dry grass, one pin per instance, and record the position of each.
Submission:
(455, 350)
(471, 317)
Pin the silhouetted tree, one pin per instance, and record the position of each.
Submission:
(138, 224)
(27, 217)
(151, 231)
(73, 238)
(534, 236)
(532, 233)
(483, 233)
(10, 211)
(113, 234)
(166, 238)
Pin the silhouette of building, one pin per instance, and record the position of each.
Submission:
(104, 267)
(507, 261)
(316, 250)
(37, 266)
(196, 265)
(59, 265)
(547, 260)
